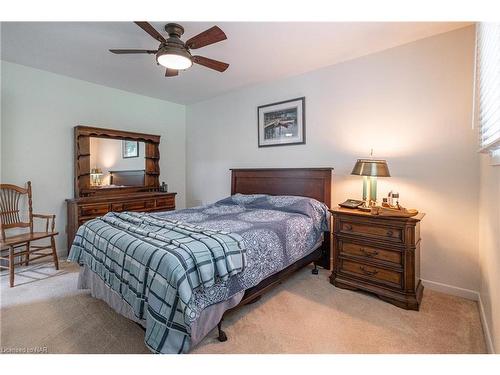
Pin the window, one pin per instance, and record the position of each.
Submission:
(487, 86)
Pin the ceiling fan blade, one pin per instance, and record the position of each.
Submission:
(209, 63)
(210, 36)
(146, 26)
(125, 51)
(171, 72)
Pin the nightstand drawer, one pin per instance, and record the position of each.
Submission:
(372, 231)
(369, 252)
(371, 273)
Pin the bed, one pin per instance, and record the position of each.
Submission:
(273, 223)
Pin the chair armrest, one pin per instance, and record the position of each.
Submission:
(44, 216)
(47, 218)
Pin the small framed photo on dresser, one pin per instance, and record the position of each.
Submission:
(282, 123)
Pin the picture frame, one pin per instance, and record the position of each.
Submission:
(282, 123)
(130, 149)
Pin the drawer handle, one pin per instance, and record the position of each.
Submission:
(366, 272)
(390, 233)
(347, 226)
(368, 253)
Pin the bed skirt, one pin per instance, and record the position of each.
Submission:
(208, 320)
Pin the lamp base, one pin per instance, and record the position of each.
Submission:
(370, 191)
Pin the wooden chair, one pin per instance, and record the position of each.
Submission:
(10, 195)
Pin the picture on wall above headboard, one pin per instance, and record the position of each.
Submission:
(282, 123)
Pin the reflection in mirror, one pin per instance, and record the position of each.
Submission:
(116, 162)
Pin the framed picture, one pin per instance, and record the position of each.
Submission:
(130, 149)
(282, 123)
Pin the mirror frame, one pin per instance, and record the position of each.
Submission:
(82, 135)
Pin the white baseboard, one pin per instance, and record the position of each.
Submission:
(486, 329)
(450, 289)
(469, 294)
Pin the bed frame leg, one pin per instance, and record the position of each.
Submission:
(315, 270)
(222, 335)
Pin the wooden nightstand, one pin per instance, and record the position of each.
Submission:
(378, 254)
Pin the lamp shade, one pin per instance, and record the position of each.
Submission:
(172, 57)
(371, 167)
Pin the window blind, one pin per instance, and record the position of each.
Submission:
(487, 94)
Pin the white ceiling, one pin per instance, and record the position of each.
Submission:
(257, 52)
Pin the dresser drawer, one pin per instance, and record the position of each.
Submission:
(117, 207)
(167, 202)
(81, 221)
(94, 209)
(377, 231)
(371, 273)
(138, 205)
(370, 252)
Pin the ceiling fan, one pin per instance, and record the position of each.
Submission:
(174, 54)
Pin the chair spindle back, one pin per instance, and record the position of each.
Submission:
(10, 195)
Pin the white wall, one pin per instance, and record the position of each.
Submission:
(411, 104)
(39, 111)
(489, 250)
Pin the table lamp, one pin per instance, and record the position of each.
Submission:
(370, 169)
(96, 175)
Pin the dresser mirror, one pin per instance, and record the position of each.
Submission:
(115, 161)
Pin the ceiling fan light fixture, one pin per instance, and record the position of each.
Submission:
(174, 54)
(174, 59)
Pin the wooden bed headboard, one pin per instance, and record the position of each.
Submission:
(307, 182)
(127, 178)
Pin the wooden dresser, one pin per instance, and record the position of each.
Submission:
(133, 191)
(83, 209)
(377, 254)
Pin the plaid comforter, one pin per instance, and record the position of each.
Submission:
(156, 264)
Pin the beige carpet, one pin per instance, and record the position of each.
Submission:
(305, 314)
